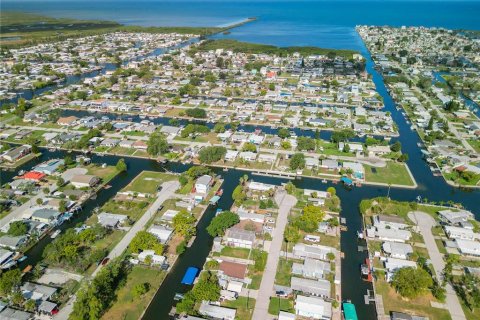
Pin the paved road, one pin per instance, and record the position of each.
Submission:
(18, 212)
(285, 203)
(168, 189)
(425, 222)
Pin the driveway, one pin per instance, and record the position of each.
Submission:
(425, 222)
(285, 203)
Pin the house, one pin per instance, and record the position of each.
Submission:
(460, 233)
(320, 288)
(453, 217)
(45, 215)
(356, 168)
(267, 157)
(389, 221)
(111, 220)
(162, 233)
(140, 145)
(330, 164)
(313, 307)
(286, 316)
(233, 270)
(397, 250)
(311, 268)
(37, 292)
(84, 181)
(170, 130)
(12, 242)
(67, 121)
(231, 155)
(239, 238)
(248, 215)
(392, 265)
(377, 151)
(17, 153)
(301, 250)
(33, 176)
(48, 308)
(5, 256)
(311, 162)
(388, 234)
(203, 184)
(216, 312)
(49, 167)
(14, 314)
(248, 156)
(169, 215)
(154, 258)
(468, 247)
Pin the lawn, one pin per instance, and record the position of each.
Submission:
(127, 306)
(243, 305)
(393, 172)
(106, 174)
(280, 304)
(240, 253)
(148, 181)
(284, 272)
(419, 306)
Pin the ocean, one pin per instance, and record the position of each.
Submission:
(324, 23)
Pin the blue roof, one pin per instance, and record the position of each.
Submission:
(190, 275)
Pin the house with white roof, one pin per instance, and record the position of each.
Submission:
(162, 233)
(460, 233)
(397, 250)
(468, 247)
(203, 184)
(216, 312)
(312, 268)
(392, 265)
(301, 250)
(313, 307)
(319, 288)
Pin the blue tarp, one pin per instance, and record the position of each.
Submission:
(190, 275)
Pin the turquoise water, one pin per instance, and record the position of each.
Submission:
(322, 23)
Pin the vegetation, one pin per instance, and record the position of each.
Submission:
(17, 228)
(309, 219)
(157, 144)
(247, 47)
(121, 166)
(207, 288)
(222, 222)
(297, 161)
(144, 240)
(197, 113)
(184, 224)
(410, 282)
(211, 154)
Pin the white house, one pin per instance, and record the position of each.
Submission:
(161, 232)
(313, 307)
(239, 238)
(460, 233)
(84, 180)
(392, 222)
(217, 312)
(397, 250)
(468, 247)
(156, 259)
(203, 184)
(394, 235)
(301, 250)
(258, 186)
(231, 155)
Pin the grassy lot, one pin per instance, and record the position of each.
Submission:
(148, 181)
(133, 209)
(129, 307)
(280, 304)
(186, 189)
(256, 280)
(393, 172)
(120, 150)
(475, 144)
(241, 253)
(284, 272)
(243, 305)
(106, 174)
(419, 306)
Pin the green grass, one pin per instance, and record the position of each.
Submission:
(148, 182)
(419, 306)
(240, 253)
(106, 174)
(393, 172)
(284, 272)
(475, 144)
(127, 306)
(243, 305)
(248, 47)
(280, 304)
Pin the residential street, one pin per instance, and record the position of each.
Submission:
(168, 189)
(285, 203)
(425, 222)
(19, 212)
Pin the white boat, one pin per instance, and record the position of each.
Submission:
(55, 234)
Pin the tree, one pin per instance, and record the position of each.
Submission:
(207, 287)
(68, 160)
(283, 133)
(219, 128)
(396, 146)
(17, 298)
(239, 195)
(184, 223)
(60, 181)
(30, 305)
(211, 154)
(249, 147)
(306, 143)
(187, 305)
(332, 191)
(17, 228)
(222, 222)
(144, 240)
(140, 289)
(291, 234)
(403, 157)
(39, 201)
(342, 136)
(309, 219)
(157, 144)
(10, 280)
(121, 166)
(410, 282)
(297, 161)
(197, 113)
